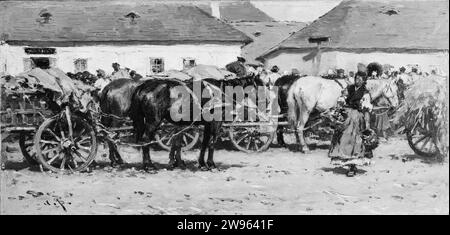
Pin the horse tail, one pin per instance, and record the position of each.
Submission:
(105, 106)
(137, 114)
(293, 106)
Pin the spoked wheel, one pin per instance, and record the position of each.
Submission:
(26, 143)
(422, 141)
(189, 138)
(251, 139)
(258, 135)
(65, 146)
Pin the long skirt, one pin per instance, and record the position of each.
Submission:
(381, 123)
(347, 146)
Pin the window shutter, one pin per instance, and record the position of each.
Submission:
(27, 64)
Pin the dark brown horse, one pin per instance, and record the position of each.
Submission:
(152, 103)
(283, 83)
(115, 100)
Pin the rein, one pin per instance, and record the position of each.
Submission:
(336, 81)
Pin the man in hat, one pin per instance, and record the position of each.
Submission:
(102, 80)
(237, 67)
(406, 78)
(118, 72)
(341, 74)
(273, 75)
(135, 76)
(295, 72)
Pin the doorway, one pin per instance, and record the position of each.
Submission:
(41, 62)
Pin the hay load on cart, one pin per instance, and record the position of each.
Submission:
(45, 107)
(424, 116)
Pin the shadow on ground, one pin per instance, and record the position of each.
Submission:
(340, 170)
(414, 157)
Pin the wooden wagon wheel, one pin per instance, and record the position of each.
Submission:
(26, 144)
(189, 137)
(422, 137)
(65, 146)
(253, 138)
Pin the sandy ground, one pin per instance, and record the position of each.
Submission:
(274, 182)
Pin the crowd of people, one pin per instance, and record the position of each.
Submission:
(358, 135)
(101, 79)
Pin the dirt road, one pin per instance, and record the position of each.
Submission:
(274, 182)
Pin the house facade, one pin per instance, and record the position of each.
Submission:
(397, 33)
(148, 38)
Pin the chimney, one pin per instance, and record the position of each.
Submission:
(215, 9)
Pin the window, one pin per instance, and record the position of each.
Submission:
(156, 65)
(188, 63)
(80, 65)
(38, 62)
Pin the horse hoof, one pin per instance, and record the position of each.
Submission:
(211, 165)
(181, 165)
(149, 167)
(151, 170)
(215, 170)
(203, 168)
(307, 151)
(201, 164)
(115, 165)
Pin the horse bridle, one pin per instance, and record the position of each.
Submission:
(335, 80)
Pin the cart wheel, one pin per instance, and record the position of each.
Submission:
(59, 152)
(252, 139)
(190, 137)
(26, 143)
(422, 142)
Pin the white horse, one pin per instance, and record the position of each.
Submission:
(317, 94)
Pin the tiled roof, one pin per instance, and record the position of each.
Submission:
(84, 22)
(377, 25)
(265, 35)
(242, 11)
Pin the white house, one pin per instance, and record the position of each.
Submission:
(87, 36)
(389, 32)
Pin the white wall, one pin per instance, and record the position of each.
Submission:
(348, 61)
(133, 57)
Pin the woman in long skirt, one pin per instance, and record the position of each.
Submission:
(347, 146)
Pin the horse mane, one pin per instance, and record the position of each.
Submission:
(241, 81)
(288, 77)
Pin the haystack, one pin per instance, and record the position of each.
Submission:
(427, 94)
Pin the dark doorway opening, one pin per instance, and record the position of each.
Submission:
(41, 62)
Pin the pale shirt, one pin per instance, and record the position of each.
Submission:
(122, 73)
(272, 78)
(101, 83)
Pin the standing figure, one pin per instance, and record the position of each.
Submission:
(347, 146)
(237, 67)
(102, 80)
(273, 75)
(118, 72)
